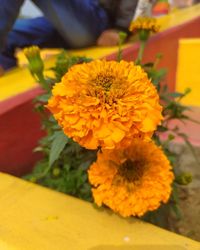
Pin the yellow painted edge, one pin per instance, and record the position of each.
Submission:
(12, 83)
(179, 16)
(33, 217)
(188, 70)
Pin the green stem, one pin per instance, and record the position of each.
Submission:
(42, 81)
(157, 61)
(119, 54)
(122, 38)
(141, 52)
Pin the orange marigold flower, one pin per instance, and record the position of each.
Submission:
(133, 181)
(144, 23)
(106, 103)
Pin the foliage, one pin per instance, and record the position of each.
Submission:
(66, 173)
(65, 163)
(64, 62)
(173, 109)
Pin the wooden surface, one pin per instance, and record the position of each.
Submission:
(36, 218)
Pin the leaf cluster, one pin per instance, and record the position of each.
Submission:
(167, 132)
(64, 62)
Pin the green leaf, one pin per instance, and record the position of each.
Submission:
(43, 98)
(175, 208)
(162, 129)
(175, 94)
(187, 91)
(149, 64)
(161, 73)
(59, 142)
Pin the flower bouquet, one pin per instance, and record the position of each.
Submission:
(103, 142)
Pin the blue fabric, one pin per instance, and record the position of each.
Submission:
(25, 32)
(8, 13)
(67, 24)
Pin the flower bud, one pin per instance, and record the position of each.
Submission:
(184, 178)
(36, 64)
(56, 172)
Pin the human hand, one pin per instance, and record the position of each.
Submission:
(108, 38)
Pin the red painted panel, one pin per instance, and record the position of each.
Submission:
(19, 133)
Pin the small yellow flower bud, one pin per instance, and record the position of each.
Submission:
(36, 64)
(31, 51)
(122, 36)
(33, 179)
(144, 25)
(184, 178)
(56, 172)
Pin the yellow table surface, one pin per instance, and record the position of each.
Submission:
(36, 218)
(19, 80)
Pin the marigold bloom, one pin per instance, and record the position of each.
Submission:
(144, 23)
(106, 103)
(133, 181)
